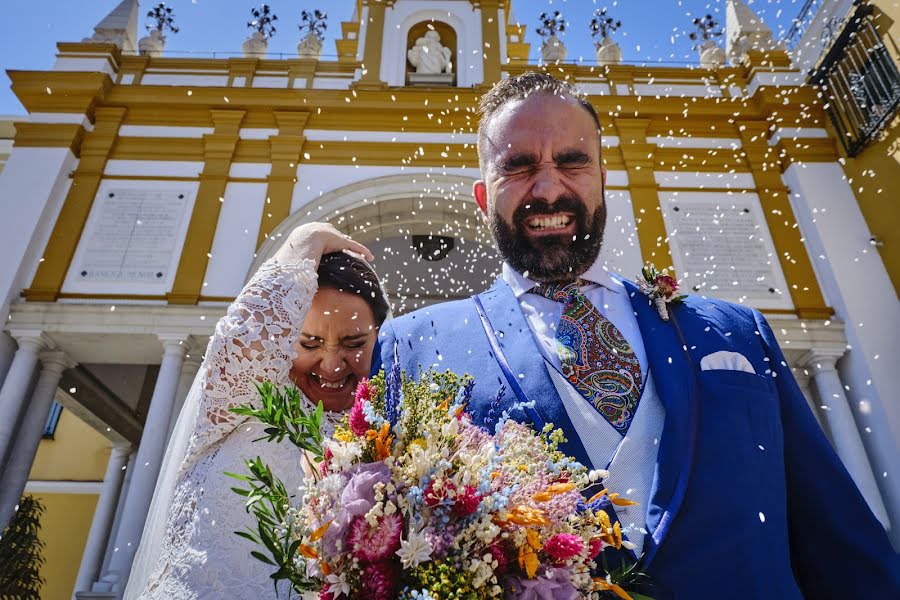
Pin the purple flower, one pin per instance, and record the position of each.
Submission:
(357, 499)
(549, 583)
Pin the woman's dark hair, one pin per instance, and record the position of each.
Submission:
(352, 275)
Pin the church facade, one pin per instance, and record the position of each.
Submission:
(141, 191)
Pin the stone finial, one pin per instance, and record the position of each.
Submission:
(119, 27)
(552, 48)
(744, 31)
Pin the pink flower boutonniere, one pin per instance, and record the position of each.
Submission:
(661, 287)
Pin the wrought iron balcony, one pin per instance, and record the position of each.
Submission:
(860, 82)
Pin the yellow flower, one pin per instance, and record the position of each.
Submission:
(342, 435)
(528, 559)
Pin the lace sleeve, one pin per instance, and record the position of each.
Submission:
(253, 342)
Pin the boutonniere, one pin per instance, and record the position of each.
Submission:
(661, 288)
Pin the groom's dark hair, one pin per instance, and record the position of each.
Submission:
(522, 86)
(352, 275)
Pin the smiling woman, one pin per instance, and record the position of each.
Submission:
(336, 341)
(309, 315)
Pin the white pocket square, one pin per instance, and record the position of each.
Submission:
(726, 361)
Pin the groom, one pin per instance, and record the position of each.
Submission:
(697, 418)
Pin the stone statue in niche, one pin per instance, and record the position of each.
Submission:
(429, 56)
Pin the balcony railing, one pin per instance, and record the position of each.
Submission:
(860, 81)
(801, 23)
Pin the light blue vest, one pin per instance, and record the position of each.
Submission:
(631, 459)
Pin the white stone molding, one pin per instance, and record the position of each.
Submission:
(104, 514)
(835, 411)
(711, 55)
(310, 47)
(29, 432)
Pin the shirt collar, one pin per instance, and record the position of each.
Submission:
(597, 273)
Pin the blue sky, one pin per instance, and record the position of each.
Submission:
(653, 31)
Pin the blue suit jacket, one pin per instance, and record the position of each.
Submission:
(748, 498)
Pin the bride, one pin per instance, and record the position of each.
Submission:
(309, 315)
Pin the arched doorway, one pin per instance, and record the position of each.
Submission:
(425, 230)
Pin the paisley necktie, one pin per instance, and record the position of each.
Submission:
(594, 355)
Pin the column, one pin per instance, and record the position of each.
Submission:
(149, 456)
(640, 163)
(189, 370)
(29, 433)
(15, 386)
(490, 40)
(284, 153)
(855, 281)
(218, 150)
(103, 517)
(835, 411)
(374, 33)
(7, 351)
(67, 230)
(803, 378)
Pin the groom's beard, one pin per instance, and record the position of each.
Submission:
(551, 258)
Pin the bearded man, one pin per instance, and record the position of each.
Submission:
(698, 418)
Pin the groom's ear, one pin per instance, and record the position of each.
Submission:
(480, 192)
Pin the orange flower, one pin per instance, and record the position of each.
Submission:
(553, 490)
(318, 533)
(382, 439)
(527, 516)
(308, 552)
(602, 584)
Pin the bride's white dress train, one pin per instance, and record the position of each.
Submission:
(196, 555)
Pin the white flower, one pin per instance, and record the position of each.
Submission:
(338, 585)
(414, 550)
(343, 454)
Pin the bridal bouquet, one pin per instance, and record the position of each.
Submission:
(412, 499)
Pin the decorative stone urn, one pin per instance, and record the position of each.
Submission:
(153, 44)
(552, 49)
(608, 52)
(310, 46)
(256, 45)
(711, 55)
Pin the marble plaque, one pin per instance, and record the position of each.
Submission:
(722, 248)
(134, 236)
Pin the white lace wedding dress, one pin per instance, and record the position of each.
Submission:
(199, 555)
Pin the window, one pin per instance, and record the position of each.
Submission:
(860, 82)
(52, 420)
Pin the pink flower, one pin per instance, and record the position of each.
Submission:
(323, 466)
(563, 546)
(371, 544)
(594, 548)
(467, 501)
(498, 554)
(667, 285)
(380, 581)
(435, 495)
(358, 423)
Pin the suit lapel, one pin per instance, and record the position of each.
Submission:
(673, 373)
(525, 360)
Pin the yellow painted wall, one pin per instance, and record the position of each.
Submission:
(874, 174)
(78, 453)
(64, 530)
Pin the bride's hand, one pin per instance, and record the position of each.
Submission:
(312, 240)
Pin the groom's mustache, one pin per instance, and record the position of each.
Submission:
(538, 206)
